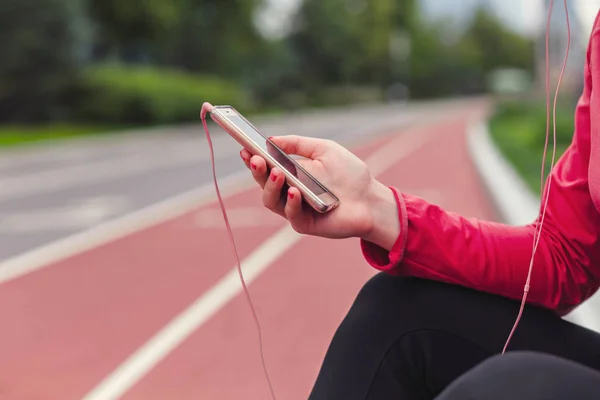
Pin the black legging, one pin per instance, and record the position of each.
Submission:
(526, 376)
(409, 339)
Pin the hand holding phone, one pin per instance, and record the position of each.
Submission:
(367, 209)
(315, 193)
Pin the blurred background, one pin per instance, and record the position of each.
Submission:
(99, 104)
(79, 66)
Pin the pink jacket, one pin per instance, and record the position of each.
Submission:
(493, 257)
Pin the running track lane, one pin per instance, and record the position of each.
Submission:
(67, 326)
(303, 296)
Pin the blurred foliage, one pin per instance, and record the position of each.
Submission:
(12, 135)
(387, 41)
(154, 61)
(148, 95)
(497, 45)
(342, 41)
(462, 65)
(123, 22)
(38, 66)
(212, 36)
(519, 130)
(456, 70)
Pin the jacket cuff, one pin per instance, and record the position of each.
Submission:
(378, 257)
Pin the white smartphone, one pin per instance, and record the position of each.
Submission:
(314, 193)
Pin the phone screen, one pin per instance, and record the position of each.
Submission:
(275, 152)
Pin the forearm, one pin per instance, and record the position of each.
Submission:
(421, 239)
(386, 216)
(435, 244)
(483, 255)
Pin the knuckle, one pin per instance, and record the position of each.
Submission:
(331, 144)
(268, 202)
(297, 227)
(269, 207)
(255, 170)
(260, 178)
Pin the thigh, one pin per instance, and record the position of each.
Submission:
(526, 376)
(411, 337)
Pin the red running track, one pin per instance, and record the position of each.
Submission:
(68, 326)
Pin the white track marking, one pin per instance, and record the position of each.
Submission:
(134, 156)
(394, 151)
(78, 215)
(120, 227)
(182, 326)
(70, 176)
(113, 145)
(516, 203)
(172, 335)
(513, 199)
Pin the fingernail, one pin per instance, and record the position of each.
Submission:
(271, 137)
(290, 195)
(273, 176)
(253, 166)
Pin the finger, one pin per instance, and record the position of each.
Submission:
(245, 158)
(302, 146)
(258, 166)
(246, 155)
(293, 211)
(272, 191)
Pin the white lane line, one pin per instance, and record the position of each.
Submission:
(587, 313)
(173, 334)
(79, 214)
(129, 159)
(183, 325)
(70, 176)
(77, 148)
(112, 230)
(397, 149)
(516, 203)
(136, 157)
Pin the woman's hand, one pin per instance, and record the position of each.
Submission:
(367, 208)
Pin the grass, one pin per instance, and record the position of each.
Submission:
(15, 135)
(519, 131)
(21, 135)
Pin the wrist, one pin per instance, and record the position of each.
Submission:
(385, 222)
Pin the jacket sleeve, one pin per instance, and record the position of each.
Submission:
(493, 257)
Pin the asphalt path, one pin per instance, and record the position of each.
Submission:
(126, 285)
(51, 191)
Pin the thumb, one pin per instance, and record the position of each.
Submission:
(302, 146)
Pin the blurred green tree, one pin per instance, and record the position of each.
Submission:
(38, 65)
(442, 65)
(214, 36)
(326, 41)
(384, 41)
(443, 62)
(348, 41)
(124, 25)
(497, 45)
